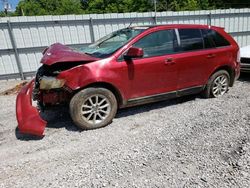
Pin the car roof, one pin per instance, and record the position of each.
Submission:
(179, 26)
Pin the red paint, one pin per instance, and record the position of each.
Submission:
(134, 52)
(60, 53)
(28, 118)
(148, 76)
(53, 97)
(132, 78)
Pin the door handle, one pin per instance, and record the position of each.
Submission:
(169, 61)
(211, 55)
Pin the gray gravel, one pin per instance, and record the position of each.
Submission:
(185, 142)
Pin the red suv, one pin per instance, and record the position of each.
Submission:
(131, 66)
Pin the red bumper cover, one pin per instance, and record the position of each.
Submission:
(28, 117)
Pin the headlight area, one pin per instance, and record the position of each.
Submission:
(48, 83)
(51, 91)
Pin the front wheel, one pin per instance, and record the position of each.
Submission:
(217, 85)
(93, 108)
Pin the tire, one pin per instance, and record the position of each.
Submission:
(99, 102)
(221, 77)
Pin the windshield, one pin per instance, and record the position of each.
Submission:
(109, 44)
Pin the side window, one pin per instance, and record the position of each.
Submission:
(158, 43)
(191, 39)
(207, 38)
(218, 39)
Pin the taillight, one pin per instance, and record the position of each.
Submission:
(238, 56)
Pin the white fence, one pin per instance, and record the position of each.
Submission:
(23, 38)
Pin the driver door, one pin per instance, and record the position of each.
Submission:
(156, 72)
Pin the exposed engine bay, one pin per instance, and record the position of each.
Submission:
(50, 91)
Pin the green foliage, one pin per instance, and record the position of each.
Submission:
(109, 6)
(48, 7)
(2, 14)
(175, 5)
(191, 5)
(204, 5)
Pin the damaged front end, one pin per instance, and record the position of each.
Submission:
(48, 89)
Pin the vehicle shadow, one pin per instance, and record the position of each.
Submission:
(244, 77)
(153, 106)
(26, 137)
(59, 117)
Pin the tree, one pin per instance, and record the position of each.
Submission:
(2, 14)
(48, 7)
(59, 7)
(119, 6)
(191, 5)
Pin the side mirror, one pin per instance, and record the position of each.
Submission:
(133, 52)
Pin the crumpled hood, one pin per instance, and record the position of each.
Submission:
(60, 53)
(245, 51)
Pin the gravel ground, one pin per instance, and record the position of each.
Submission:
(185, 142)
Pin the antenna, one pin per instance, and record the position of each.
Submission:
(132, 22)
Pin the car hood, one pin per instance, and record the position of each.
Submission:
(245, 51)
(58, 53)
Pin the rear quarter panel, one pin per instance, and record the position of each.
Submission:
(227, 56)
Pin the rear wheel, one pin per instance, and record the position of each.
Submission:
(217, 85)
(93, 108)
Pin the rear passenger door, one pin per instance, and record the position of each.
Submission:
(192, 59)
(217, 48)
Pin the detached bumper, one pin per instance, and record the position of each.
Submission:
(28, 117)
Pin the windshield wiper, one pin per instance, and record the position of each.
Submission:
(88, 53)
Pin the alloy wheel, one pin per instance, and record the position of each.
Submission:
(220, 86)
(96, 109)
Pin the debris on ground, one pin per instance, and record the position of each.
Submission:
(14, 90)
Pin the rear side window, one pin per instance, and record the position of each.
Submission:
(158, 43)
(207, 38)
(191, 39)
(217, 39)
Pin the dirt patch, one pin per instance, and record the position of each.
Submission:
(14, 90)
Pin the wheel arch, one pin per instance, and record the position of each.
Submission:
(106, 85)
(230, 71)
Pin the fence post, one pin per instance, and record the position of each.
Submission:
(209, 19)
(14, 46)
(91, 29)
(155, 7)
(155, 19)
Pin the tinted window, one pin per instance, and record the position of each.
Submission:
(218, 40)
(190, 39)
(158, 43)
(207, 38)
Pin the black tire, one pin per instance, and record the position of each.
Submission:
(83, 98)
(207, 92)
